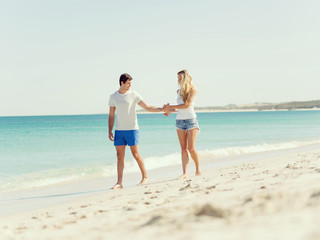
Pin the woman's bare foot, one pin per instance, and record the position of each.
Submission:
(117, 186)
(144, 181)
(183, 176)
(198, 172)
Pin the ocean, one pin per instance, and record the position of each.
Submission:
(39, 151)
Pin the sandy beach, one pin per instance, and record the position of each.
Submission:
(273, 195)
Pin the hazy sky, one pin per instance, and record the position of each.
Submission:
(66, 56)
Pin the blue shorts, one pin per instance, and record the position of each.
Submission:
(126, 137)
(187, 124)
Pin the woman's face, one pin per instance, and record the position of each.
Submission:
(179, 78)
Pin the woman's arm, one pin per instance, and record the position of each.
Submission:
(185, 105)
(148, 108)
(167, 113)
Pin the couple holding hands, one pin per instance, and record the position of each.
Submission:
(123, 103)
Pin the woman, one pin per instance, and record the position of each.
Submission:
(186, 121)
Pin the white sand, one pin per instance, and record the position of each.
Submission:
(275, 196)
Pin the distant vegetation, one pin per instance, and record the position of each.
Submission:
(268, 106)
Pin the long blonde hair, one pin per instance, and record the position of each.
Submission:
(185, 84)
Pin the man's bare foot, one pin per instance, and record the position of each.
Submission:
(183, 176)
(117, 186)
(143, 181)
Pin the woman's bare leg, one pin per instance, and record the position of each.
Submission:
(191, 140)
(184, 153)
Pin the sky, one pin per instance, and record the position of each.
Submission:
(66, 56)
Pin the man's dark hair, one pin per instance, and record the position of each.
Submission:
(124, 78)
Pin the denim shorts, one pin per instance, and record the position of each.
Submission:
(187, 124)
(126, 137)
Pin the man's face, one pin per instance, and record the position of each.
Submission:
(127, 85)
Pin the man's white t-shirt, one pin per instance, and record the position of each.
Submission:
(125, 109)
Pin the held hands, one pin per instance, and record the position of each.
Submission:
(166, 109)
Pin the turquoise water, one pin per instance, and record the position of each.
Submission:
(42, 150)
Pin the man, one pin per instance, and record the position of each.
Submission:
(123, 102)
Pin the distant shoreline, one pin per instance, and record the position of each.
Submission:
(208, 110)
(255, 110)
(259, 107)
(197, 110)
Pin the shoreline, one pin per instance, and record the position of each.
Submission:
(245, 194)
(32, 183)
(213, 161)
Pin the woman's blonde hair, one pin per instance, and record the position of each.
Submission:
(185, 84)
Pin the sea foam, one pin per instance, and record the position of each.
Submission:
(46, 178)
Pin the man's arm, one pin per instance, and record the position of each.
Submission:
(148, 108)
(111, 122)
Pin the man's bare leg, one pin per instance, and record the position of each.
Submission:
(120, 165)
(136, 154)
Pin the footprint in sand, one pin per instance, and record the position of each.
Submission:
(186, 187)
(152, 221)
(226, 189)
(247, 200)
(211, 211)
(56, 226)
(21, 228)
(211, 187)
(315, 195)
(70, 222)
(258, 179)
(84, 206)
(100, 211)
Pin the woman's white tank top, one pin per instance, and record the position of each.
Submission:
(186, 113)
